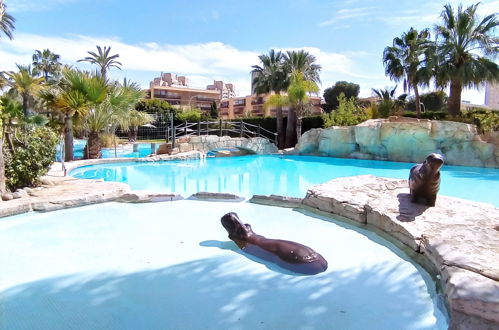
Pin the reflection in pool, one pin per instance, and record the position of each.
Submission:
(281, 175)
(170, 265)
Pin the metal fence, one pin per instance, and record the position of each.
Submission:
(165, 128)
(220, 128)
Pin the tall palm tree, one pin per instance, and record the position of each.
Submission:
(405, 60)
(103, 60)
(466, 48)
(25, 84)
(304, 62)
(6, 27)
(69, 97)
(6, 21)
(269, 77)
(46, 63)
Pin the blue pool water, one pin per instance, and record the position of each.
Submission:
(282, 175)
(144, 149)
(171, 266)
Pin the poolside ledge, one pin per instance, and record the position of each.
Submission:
(459, 238)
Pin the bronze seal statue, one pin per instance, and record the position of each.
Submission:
(424, 179)
(287, 254)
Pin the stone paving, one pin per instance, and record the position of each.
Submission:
(459, 238)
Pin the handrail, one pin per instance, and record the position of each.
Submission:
(222, 127)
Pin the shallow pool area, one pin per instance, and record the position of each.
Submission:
(122, 150)
(281, 175)
(170, 265)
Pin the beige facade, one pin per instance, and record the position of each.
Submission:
(253, 105)
(492, 95)
(227, 91)
(175, 90)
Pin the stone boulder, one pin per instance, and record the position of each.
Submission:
(337, 141)
(164, 149)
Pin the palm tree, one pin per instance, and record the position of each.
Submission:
(25, 84)
(106, 112)
(462, 39)
(304, 62)
(6, 21)
(405, 60)
(272, 77)
(46, 63)
(6, 27)
(103, 60)
(131, 121)
(298, 91)
(69, 97)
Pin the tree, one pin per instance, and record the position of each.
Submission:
(6, 27)
(298, 91)
(405, 60)
(331, 94)
(466, 48)
(69, 97)
(46, 63)
(271, 76)
(214, 110)
(108, 103)
(6, 21)
(433, 101)
(303, 62)
(103, 60)
(131, 121)
(387, 103)
(25, 84)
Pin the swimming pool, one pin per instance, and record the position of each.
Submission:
(126, 151)
(282, 175)
(170, 265)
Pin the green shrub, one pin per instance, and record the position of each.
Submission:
(156, 106)
(310, 122)
(485, 120)
(192, 115)
(348, 113)
(34, 152)
(433, 115)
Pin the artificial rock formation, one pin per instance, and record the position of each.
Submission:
(404, 140)
(459, 238)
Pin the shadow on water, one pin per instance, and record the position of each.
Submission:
(273, 263)
(215, 293)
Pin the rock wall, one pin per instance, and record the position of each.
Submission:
(404, 140)
(205, 143)
(459, 238)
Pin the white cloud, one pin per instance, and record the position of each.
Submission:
(201, 63)
(348, 13)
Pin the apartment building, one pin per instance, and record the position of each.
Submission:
(175, 90)
(253, 105)
(227, 91)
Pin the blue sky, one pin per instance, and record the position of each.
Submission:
(208, 40)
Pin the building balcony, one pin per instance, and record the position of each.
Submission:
(238, 103)
(258, 100)
(238, 111)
